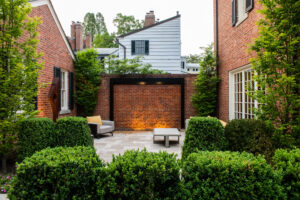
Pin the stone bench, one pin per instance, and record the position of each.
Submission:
(166, 132)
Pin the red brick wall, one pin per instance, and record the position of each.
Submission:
(55, 53)
(103, 106)
(233, 47)
(147, 106)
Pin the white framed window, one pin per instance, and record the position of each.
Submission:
(242, 14)
(64, 99)
(241, 105)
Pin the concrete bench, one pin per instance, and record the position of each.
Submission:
(166, 132)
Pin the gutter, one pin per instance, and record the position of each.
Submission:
(117, 41)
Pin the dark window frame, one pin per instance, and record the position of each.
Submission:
(140, 47)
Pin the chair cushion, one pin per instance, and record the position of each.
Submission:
(105, 129)
(94, 119)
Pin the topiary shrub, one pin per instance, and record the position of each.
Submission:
(230, 175)
(288, 162)
(34, 135)
(253, 136)
(58, 173)
(73, 131)
(203, 133)
(142, 175)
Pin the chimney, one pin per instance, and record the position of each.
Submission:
(88, 41)
(77, 35)
(149, 19)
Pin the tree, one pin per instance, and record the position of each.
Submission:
(19, 69)
(277, 68)
(94, 24)
(128, 66)
(88, 81)
(205, 97)
(126, 24)
(105, 40)
(193, 58)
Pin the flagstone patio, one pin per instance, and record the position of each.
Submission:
(108, 145)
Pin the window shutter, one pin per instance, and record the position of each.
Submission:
(132, 47)
(71, 91)
(147, 47)
(234, 12)
(249, 5)
(57, 74)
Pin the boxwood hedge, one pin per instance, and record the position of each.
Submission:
(229, 175)
(288, 163)
(59, 173)
(34, 135)
(73, 131)
(203, 133)
(142, 175)
(250, 135)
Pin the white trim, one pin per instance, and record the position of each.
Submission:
(64, 86)
(242, 15)
(231, 88)
(60, 28)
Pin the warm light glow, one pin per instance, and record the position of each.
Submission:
(159, 83)
(142, 83)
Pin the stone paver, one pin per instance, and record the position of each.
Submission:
(117, 144)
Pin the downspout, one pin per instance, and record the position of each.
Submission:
(217, 55)
(117, 41)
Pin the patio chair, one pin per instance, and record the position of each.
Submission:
(99, 126)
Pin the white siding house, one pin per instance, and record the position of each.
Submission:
(158, 43)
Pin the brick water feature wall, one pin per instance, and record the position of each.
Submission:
(151, 102)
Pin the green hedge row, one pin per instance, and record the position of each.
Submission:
(39, 133)
(78, 173)
(203, 134)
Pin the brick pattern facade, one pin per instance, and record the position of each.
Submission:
(164, 100)
(55, 53)
(233, 47)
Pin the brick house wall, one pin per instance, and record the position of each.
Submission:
(103, 106)
(232, 47)
(55, 54)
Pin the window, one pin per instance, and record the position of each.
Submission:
(140, 47)
(240, 9)
(241, 104)
(64, 90)
(182, 64)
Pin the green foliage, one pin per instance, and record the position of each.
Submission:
(19, 67)
(277, 67)
(34, 135)
(203, 133)
(87, 80)
(73, 131)
(105, 40)
(142, 175)
(94, 24)
(250, 135)
(205, 97)
(230, 175)
(128, 66)
(5, 182)
(59, 173)
(126, 24)
(193, 58)
(288, 162)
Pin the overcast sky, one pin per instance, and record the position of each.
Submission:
(196, 16)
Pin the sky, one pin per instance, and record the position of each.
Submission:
(196, 16)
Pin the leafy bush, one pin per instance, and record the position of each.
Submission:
(5, 182)
(58, 173)
(203, 133)
(142, 175)
(34, 135)
(73, 131)
(253, 136)
(230, 175)
(289, 163)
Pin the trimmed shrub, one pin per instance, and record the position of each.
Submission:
(203, 133)
(73, 131)
(143, 175)
(58, 173)
(250, 135)
(288, 162)
(34, 135)
(230, 175)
